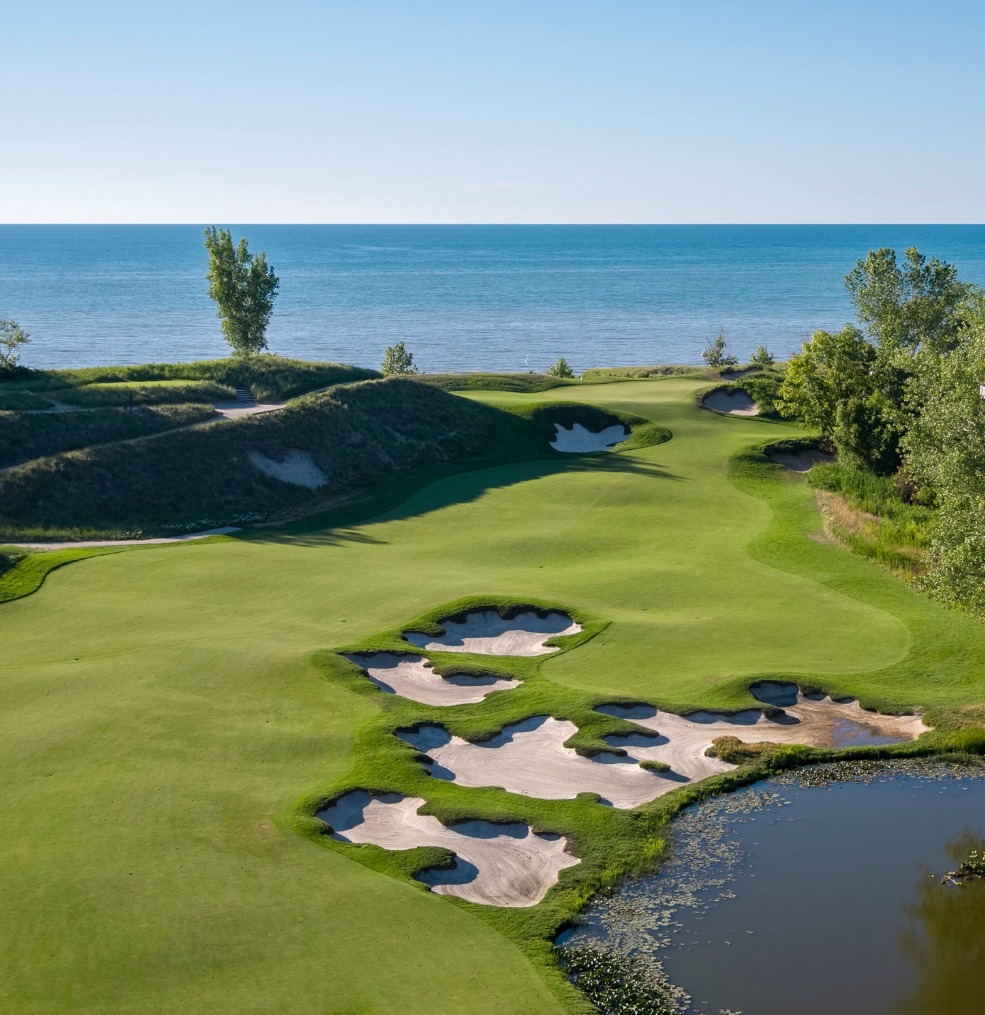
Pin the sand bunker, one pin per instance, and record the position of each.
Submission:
(412, 677)
(578, 440)
(496, 865)
(735, 403)
(485, 632)
(800, 461)
(814, 720)
(529, 757)
(236, 410)
(296, 467)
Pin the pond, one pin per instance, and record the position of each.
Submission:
(815, 892)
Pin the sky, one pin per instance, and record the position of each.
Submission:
(394, 111)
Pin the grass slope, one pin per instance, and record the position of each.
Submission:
(166, 710)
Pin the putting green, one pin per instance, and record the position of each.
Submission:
(162, 716)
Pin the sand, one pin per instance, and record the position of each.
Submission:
(236, 410)
(412, 677)
(498, 865)
(800, 461)
(485, 632)
(578, 440)
(817, 721)
(89, 543)
(530, 758)
(296, 467)
(735, 403)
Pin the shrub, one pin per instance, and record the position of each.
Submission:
(397, 360)
(716, 352)
(560, 369)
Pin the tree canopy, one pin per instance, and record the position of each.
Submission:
(12, 337)
(397, 360)
(243, 287)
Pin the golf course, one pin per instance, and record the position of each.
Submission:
(193, 732)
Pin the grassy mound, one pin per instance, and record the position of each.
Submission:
(24, 436)
(493, 382)
(267, 377)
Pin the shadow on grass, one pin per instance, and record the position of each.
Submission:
(414, 497)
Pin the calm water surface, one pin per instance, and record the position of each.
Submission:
(462, 297)
(813, 899)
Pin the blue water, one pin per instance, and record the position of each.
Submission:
(462, 297)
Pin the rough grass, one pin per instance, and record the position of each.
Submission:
(21, 401)
(267, 377)
(362, 436)
(493, 382)
(24, 436)
(170, 712)
(640, 373)
(114, 393)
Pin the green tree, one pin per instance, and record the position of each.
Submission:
(12, 337)
(834, 385)
(397, 360)
(762, 358)
(560, 369)
(243, 287)
(716, 352)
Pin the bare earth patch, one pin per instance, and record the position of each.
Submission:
(579, 440)
(485, 632)
(296, 467)
(497, 865)
(735, 403)
(412, 677)
(529, 757)
(800, 461)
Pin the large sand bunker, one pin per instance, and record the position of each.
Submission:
(579, 440)
(735, 402)
(411, 676)
(814, 720)
(496, 865)
(485, 632)
(296, 467)
(529, 757)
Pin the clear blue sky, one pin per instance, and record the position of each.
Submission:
(493, 111)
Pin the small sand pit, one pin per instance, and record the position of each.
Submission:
(296, 467)
(485, 632)
(814, 720)
(529, 757)
(800, 461)
(411, 676)
(579, 440)
(734, 402)
(496, 865)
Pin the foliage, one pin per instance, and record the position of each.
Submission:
(397, 361)
(764, 389)
(12, 337)
(243, 288)
(833, 385)
(762, 357)
(908, 307)
(560, 369)
(716, 352)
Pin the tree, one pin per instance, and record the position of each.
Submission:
(716, 352)
(560, 369)
(397, 360)
(12, 337)
(834, 385)
(762, 358)
(243, 287)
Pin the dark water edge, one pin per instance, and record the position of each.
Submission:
(815, 892)
(462, 297)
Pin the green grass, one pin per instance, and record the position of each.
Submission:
(92, 396)
(24, 436)
(493, 382)
(172, 714)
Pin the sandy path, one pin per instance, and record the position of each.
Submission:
(735, 403)
(412, 677)
(499, 865)
(89, 543)
(578, 440)
(530, 758)
(815, 721)
(236, 410)
(485, 632)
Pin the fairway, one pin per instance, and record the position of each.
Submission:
(163, 714)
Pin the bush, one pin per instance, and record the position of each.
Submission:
(560, 369)
(716, 352)
(397, 361)
(762, 358)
